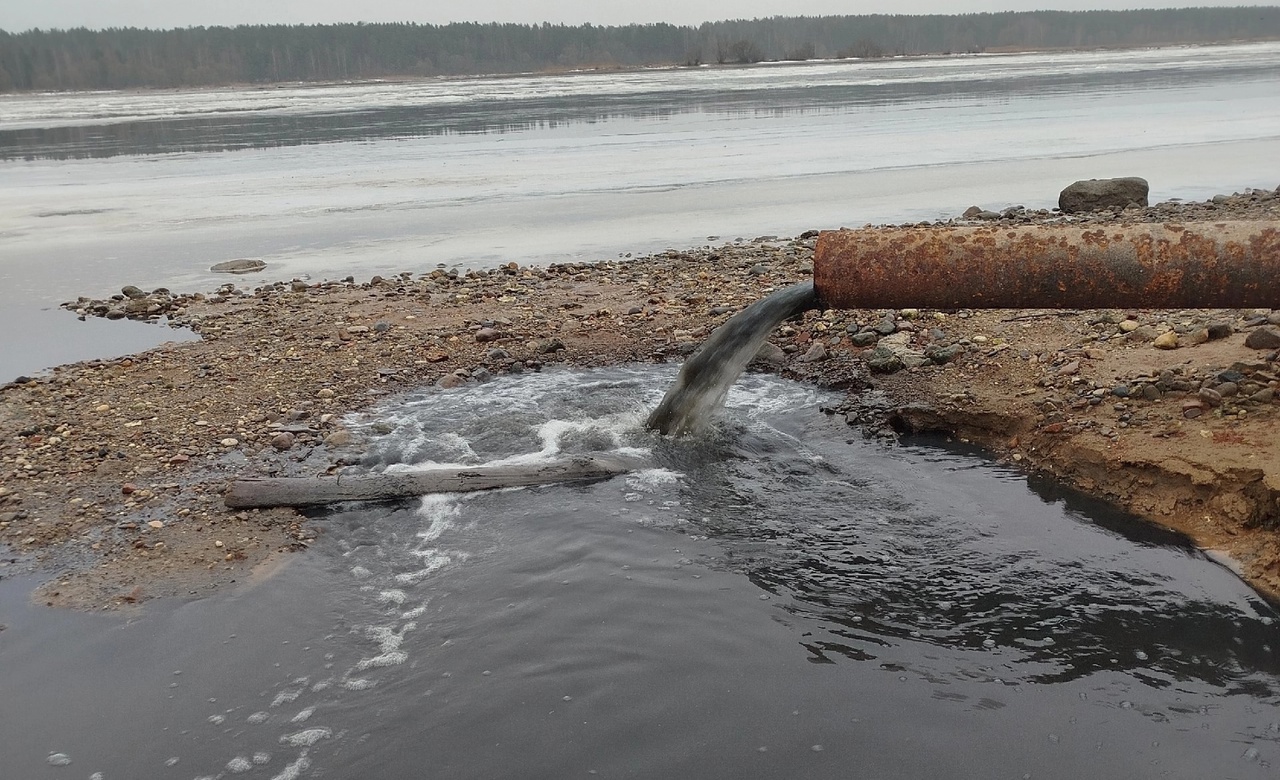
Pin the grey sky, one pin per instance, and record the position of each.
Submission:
(18, 15)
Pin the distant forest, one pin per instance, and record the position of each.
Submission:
(200, 56)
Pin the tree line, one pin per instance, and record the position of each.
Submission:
(120, 58)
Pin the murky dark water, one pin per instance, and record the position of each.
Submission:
(776, 598)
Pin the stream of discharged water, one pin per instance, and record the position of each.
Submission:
(776, 597)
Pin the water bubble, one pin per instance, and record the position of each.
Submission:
(58, 759)
(1054, 739)
(1251, 754)
(1141, 656)
(171, 761)
(762, 749)
(487, 673)
(764, 596)
(1266, 621)
(567, 698)
(97, 776)
(217, 719)
(1126, 705)
(1093, 590)
(816, 748)
(988, 643)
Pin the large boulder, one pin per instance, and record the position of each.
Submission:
(1096, 194)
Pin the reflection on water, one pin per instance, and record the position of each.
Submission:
(777, 598)
(101, 125)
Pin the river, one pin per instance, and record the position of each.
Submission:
(779, 597)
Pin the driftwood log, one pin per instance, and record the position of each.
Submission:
(314, 491)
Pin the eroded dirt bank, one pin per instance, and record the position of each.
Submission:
(111, 471)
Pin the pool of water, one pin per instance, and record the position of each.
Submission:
(779, 597)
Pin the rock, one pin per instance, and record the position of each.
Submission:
(1166, 340)
(1211, 397)
(132, 292)
(883, 360)
(885, 327)
(548, 346)
(1142, 333)
(1228, 389)
(1097, 194)
(487, 334)
(1263, 338)
(1199, 336)
(1151, 393)
(816, 353)
(771, 353)
(242, 266)
(229, 442)
(324, 393)
(1070, 369)
(972, 212)
(942, 355)
(1264, 396)
(282, 441)
(1128, 326)
(986, 215)
(1219, 330)
(338, 439)
(864, 339)
(450, 381)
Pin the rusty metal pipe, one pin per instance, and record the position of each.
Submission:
(1150, 266)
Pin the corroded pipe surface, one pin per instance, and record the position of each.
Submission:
(1151, 266)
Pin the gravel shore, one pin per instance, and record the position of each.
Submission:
(111, 472)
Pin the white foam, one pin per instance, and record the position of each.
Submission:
(358, 684)
(286, 696)
(294, 770)
(396, 597)
(306, 737)
(239, 765)
(646, 480)
(303, 715)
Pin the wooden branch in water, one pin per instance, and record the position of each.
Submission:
(314, 491)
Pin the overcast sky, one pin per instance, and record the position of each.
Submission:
(19, 15)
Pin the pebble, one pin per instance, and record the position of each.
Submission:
(816, 353)
(1166, 340)
(282, 441)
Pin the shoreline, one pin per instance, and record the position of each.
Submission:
(999, 51)
(111, 471)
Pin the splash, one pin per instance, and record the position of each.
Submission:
(705, 378)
